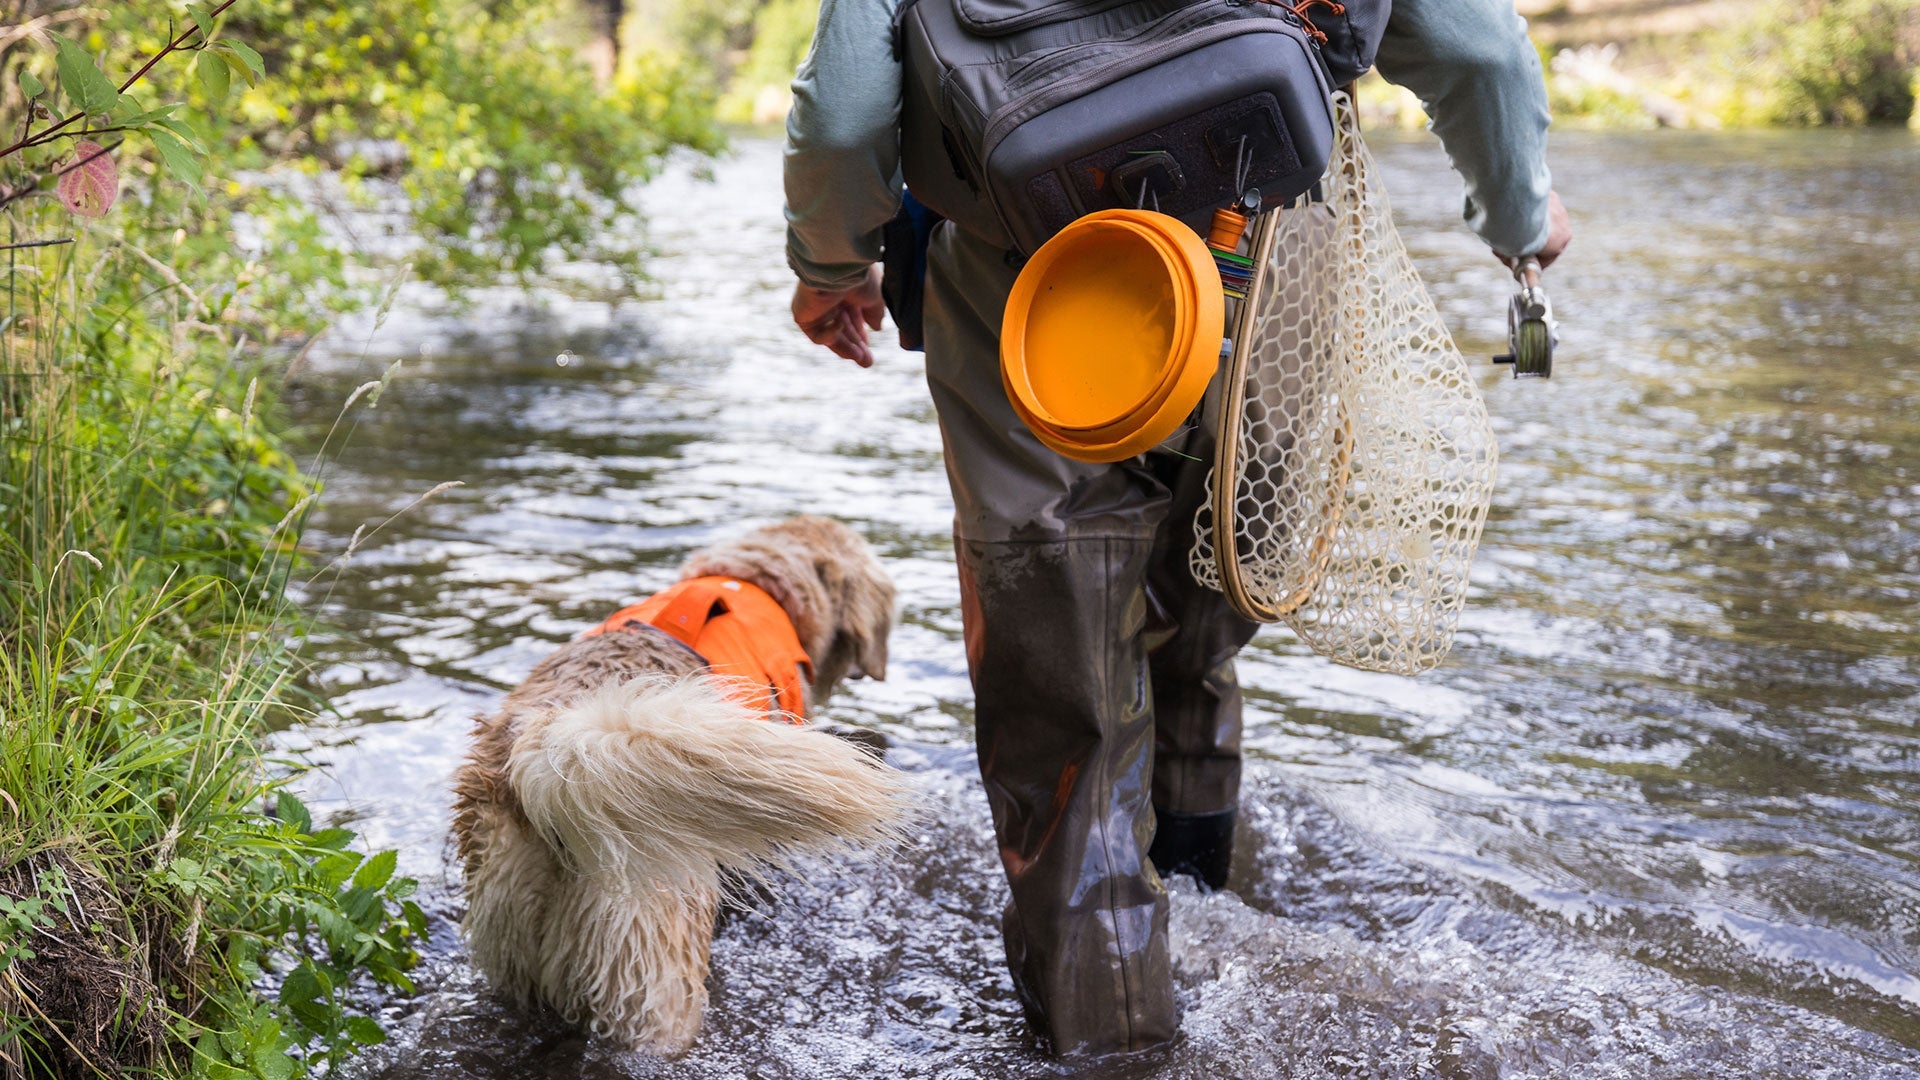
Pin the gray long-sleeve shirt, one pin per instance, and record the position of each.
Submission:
(1469, 61)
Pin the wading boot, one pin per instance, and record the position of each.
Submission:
(1198, 845)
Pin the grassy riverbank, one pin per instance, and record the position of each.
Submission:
(151, 871)
(166, 908)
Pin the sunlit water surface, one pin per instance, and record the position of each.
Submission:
(1654, 818)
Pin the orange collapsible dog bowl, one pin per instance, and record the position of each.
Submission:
(1112, 333)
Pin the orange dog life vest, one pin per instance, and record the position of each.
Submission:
(742, 633)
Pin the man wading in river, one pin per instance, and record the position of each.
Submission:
(1106, 708)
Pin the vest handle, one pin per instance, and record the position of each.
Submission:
(687, 614)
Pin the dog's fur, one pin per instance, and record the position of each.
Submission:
(603, 806)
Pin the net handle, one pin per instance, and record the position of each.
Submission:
(1226, 467)
(1226, 462)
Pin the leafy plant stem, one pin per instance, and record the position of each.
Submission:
(171, 47)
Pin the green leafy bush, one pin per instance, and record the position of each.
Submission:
(153, 198)
(1845, 62)
(510, 156)
(782, 31)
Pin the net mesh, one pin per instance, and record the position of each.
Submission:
(1355, 460)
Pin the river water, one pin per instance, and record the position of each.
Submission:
(1655, 817)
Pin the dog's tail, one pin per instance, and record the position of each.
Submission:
(665, 780)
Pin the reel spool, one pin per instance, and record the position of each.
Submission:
(1531, 331)
(1355, 461)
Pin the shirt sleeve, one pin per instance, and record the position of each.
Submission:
(1474, 69)
(842, 164)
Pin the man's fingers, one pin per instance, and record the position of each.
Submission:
(852, 349)
(849, 339)
(822, 331)
(840, 320)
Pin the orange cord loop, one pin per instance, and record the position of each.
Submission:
(1334, 7)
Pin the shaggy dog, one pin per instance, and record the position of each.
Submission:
(603, 809)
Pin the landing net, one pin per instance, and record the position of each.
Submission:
(1355, 460)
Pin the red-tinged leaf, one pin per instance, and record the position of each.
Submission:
(89, 187)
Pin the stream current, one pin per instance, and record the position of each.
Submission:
(1655, 817)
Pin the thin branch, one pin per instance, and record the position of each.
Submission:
(171, 47)
(34, 244)
(164, 271)
(21, 31)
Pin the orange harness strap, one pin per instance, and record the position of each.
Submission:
(742, 633)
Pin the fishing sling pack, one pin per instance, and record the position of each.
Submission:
(1020, 116)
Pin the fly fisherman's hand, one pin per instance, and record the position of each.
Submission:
(1559, 234)
(839, 320)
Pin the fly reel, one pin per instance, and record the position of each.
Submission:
(1531, 331)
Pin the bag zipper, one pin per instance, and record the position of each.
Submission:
(1019, 110)
(1173, 22)
(1047, 15)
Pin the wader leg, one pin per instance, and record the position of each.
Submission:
(1065, 732)
(1193, 636)
(1054, 556)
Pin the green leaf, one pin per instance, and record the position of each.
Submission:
(291, 810)
(305, 986)
(180, 161)
(29, 85)
(335, 929)
(273, 1064)
(336, 839)
(202, 20)
(215, 78)
(337, 868)
(390, 976)
(362, 906)
(316, 1016)
(238, 66)
(184, 130)
(269, 1051)
(245, 52)
(81, 78)
(377, 871)
(205, 1050)
(129, 115)
(363, 1030)
(187, 875)
(416, 918)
